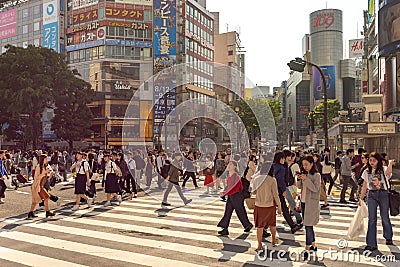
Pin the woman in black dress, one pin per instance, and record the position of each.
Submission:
(112, 186)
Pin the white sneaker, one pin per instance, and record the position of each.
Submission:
(58, 202)
(1, 201)
(108, 203)
(89, 202)
(119, 199)
(74, 208)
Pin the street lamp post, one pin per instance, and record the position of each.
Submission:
(298, 65)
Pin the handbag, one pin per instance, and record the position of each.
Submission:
(21, 178)
(394, 199)
(95, 177)
(43, 194)
(326, 169)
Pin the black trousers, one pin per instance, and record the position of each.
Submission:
(328, 178)
(3, 188)
(129, 180)
(235, 202)
(188, 175)
(285, 211)
(346, 181)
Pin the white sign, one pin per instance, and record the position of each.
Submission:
(356, 48)
(50, 12)
(120, 85)
(381, 128)
(76, 4)
(136, 2)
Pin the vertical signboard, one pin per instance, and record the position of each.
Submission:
(330, 78)
(164, 57)
(356, 48)
(8, 24)
(50, 25)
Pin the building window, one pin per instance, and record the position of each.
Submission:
(148, 15)
(36, 12)
(230, 53)
(25, 29)
(36, 42)
(36, 27)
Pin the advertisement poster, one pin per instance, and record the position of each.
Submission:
(164, 57)
(303, 116)
(50, 25)
(8, 24)
(318, 85)
(389, 27)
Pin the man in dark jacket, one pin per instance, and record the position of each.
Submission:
(173, 180)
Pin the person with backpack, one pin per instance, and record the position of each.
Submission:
(140, 165)
(82, 180)
(291, 170)
(338, 164)
(279, 173)
(130, 177)
(93, 167)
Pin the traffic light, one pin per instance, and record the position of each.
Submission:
(297, 65)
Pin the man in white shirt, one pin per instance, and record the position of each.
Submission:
(130, 178)
(159, 166)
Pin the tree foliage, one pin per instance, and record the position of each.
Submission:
(333, 112)
(32, 79)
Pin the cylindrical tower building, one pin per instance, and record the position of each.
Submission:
(326, 38)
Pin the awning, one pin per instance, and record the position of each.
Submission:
(200, 90)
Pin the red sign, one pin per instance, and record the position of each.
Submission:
(85, 17)
(365, 86)
(324, 20)
(124, 13)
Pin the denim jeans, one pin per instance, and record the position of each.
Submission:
(292, 204)
(378, 199)
(310, 235)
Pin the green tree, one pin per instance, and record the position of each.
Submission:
(333, 112)
(31, 80)
(276, 108)
(72, 118)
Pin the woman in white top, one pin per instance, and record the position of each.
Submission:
(112, 185)
(82, 180)
(376, 180)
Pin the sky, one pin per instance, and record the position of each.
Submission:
(272, 31)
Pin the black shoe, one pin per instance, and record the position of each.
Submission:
(343, 201)
(324, 206)
(223, 232)
(248, 228)
(49, 214)
(31, 215)
(187, 201)
(370, 248)
(266, 234)
(389, 242)
(41, 204)
(165, 204)
(313, 248)
(305, 255)
(353, 200)
(296, 228)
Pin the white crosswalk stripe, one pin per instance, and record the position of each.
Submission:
(142, 233)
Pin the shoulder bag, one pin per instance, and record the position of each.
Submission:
(394, 198)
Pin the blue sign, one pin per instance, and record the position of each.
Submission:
(330, 78)
(164, 27)
(85, 45)
(129, 43)
(50, 35)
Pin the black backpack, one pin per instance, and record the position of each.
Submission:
(289, 177)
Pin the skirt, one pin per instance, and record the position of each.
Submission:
(209, 180)
(80, 184)
(264, 217)
(112, 185)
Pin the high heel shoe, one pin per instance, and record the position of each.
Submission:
(31, 215)
(49, 214)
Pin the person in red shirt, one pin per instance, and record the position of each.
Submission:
(357, 159)
(235, 201)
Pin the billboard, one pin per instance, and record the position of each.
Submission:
(8, 24)
(356, 48)
(330, 78)
(164, 57)
(50, 25)
(326, 20)
(389, 28)
(136, 2)
(76, 4)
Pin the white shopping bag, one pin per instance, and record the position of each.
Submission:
(359, 224)
(7, 181)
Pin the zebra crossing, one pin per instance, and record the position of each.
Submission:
(140, 232)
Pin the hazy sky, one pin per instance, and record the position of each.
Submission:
(271, 31)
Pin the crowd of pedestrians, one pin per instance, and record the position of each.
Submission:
(284, 182)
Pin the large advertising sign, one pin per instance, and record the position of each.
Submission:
(330, 78)
(76, 4)
(326, 20)
(127, 12)
(50, 25)
(356, 48)
(8, 24)
(389, 28)
(164, 56)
